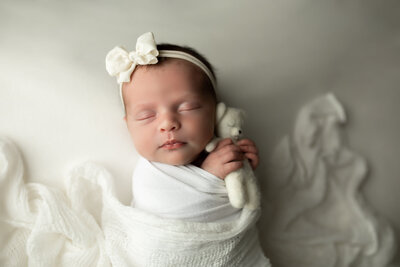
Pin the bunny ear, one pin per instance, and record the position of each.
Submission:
(221, 109)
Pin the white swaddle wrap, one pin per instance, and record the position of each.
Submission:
(88, 226)
(181, 192)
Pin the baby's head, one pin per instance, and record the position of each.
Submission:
(170, 106)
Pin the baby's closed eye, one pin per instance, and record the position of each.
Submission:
(145, 114)
(188, 106)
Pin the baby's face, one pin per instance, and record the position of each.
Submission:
(168, 115)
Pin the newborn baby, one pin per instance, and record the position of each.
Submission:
(170, 102)
(169, 99)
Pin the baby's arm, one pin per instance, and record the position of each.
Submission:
(228, 157)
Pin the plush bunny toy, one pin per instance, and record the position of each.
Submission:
(241, 184)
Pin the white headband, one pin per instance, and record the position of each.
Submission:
(121, 63)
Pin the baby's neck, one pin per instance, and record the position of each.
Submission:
(200, 158)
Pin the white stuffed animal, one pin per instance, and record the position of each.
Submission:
(241, 184)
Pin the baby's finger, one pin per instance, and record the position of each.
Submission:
(231, 155)
(248, 149)
(253, 159)
(224, 142)
(245, 141)
(232, 166)
(227, 148)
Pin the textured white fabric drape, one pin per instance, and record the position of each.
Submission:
(88, 226)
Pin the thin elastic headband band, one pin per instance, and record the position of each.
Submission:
(190, 58)
(121, 63)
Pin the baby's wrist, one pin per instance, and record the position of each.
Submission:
(211, 169)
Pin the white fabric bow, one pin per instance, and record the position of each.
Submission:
(121, 63)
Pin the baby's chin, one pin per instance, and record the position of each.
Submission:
(175, 161)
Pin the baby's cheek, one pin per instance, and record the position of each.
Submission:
(203, 131)
(208, 128)
(143, 141)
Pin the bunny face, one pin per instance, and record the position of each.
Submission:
(230, 122)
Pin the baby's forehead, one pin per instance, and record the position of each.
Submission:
(171, 77)
(177, 69)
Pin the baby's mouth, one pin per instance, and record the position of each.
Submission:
(172, 144)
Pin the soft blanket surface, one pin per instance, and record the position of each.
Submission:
(87, 226)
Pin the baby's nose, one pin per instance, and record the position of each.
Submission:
(169, 123)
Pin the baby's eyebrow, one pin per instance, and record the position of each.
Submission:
(142, 106)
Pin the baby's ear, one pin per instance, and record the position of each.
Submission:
(125, 118)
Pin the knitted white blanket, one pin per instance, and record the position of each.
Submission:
(88, 226)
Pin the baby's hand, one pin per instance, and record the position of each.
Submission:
(225, 158)
(250, 151)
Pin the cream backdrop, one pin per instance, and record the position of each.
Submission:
(60, 106)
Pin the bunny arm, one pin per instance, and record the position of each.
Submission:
(213, 144)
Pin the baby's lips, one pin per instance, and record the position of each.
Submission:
(172, 142)
(170, 145)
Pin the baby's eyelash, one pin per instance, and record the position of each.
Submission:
(188, 107)
(144, 115)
